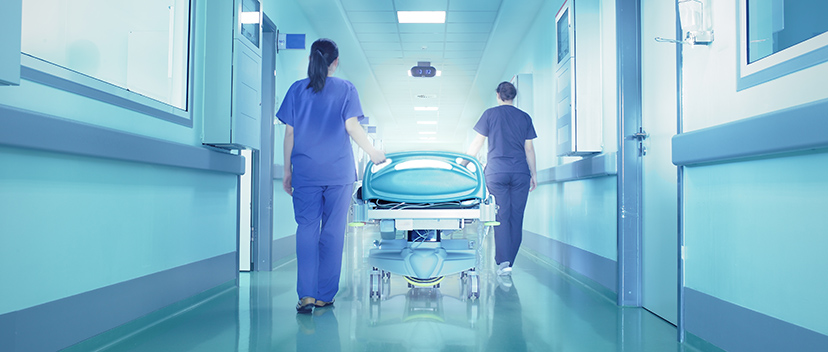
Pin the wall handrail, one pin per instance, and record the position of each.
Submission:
(33, 130)
(799, 128)
(604, 164)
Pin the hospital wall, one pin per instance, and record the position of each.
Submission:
(291, 65)
(102, 218)
(573, 223)
(755, 229)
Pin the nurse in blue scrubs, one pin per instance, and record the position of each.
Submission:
(510, 171)
(322, 114)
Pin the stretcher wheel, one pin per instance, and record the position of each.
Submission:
(375, 284)
(472, 281)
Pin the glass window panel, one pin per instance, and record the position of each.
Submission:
(563, 36)
(141, 46)
(775, 25)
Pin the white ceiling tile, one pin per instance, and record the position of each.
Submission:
(475, 5)
(383, 53)
(419, 5)
(362, 5)
(378, 37)
(467, 37)
(423, 55)
(374, 27)
(373, 46)
(462, 61)
(463, 54)
(413, 46)
(372, 16)
(425, 28)
(468, 27)
(459, 46)
(471, 16)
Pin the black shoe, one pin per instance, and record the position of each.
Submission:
(305, 305)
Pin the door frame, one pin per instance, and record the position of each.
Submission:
(263, 158)
(628, 36)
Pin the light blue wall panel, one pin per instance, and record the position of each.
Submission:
(72, 224)
(579, 213)
(756, 235)
(291, 65)
(284, 224)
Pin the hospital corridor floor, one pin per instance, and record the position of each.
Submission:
(542, 310)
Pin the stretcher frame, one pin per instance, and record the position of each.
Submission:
(401, 256)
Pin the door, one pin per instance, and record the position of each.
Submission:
(659, 186)
(246, 211)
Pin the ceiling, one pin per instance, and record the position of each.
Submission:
(471, 50)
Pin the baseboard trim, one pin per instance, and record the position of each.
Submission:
(61, 323)
(283, 249)
(735, 328)
(591, 269)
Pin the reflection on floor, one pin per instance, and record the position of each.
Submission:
(543, 310)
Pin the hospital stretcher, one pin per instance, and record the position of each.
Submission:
(422, 201)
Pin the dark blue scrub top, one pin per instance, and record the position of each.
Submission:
(507, 128)
(322, 153)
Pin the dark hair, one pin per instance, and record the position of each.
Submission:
(323, 53)
(506, 91)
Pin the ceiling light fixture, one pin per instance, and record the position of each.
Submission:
(421, 16)
(428, 132)
(426, 122)
(426, 108)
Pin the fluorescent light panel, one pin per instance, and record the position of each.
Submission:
(426, 108)
(426, 122)
(428, 132)
(421, 16)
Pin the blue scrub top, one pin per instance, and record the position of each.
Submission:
(507, 128)
(322, 153)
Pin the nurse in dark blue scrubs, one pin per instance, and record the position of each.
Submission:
(510, 171)
(322, 114)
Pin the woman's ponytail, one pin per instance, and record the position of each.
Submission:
(323, 54)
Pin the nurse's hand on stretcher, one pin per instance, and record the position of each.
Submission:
(377, 156)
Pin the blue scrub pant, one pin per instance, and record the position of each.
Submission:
(511, 191)
(321, 213)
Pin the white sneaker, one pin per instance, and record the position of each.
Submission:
(505, 282)
(504, 269)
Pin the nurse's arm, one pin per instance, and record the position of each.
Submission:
(474, 148)
(358, 134)
(288, 166)
(530, 159)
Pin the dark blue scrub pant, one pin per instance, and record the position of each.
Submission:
(321, 213)
(511, 190)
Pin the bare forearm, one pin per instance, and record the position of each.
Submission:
(358, 135)
(288, 148)
(530, 157)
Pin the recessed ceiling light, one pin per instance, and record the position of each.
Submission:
(426, 122)
(428, 138)
(428, 132)
(426, 108)
(421, 16)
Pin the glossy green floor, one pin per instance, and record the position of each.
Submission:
(544, 310)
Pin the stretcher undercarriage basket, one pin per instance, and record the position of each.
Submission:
(422, 201)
